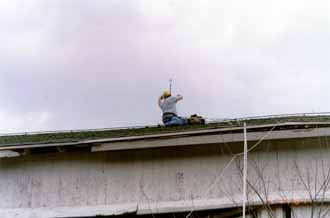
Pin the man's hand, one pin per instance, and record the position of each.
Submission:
(179, 97)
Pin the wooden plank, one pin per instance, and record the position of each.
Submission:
(12, 147)
(211, 139)
(207, 131)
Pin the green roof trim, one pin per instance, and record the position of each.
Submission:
(75, 136)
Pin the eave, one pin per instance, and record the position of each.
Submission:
(289, 130)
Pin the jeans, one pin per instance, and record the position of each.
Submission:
(173, 120)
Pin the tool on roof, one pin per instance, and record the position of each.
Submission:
(195, 119)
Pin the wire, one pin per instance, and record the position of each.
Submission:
(231, 160)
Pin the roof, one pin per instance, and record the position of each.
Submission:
(96, 134)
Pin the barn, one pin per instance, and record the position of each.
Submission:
(156, 171)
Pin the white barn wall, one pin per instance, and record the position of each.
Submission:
(158, 180)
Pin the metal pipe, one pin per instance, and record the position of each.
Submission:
(244, 170)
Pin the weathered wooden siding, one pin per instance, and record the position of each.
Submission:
(159, 180)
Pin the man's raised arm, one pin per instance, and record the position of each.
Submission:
(179, 97)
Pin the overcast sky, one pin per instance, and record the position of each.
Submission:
(67, 64)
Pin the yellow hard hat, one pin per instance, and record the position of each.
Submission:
(166, 93)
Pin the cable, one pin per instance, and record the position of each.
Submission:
(231, 160)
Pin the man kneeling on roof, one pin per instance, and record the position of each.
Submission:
(168, 105)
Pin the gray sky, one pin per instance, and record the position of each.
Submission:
(67, 64)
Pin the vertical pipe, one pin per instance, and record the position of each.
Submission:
(170, 85)
(244, 170)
